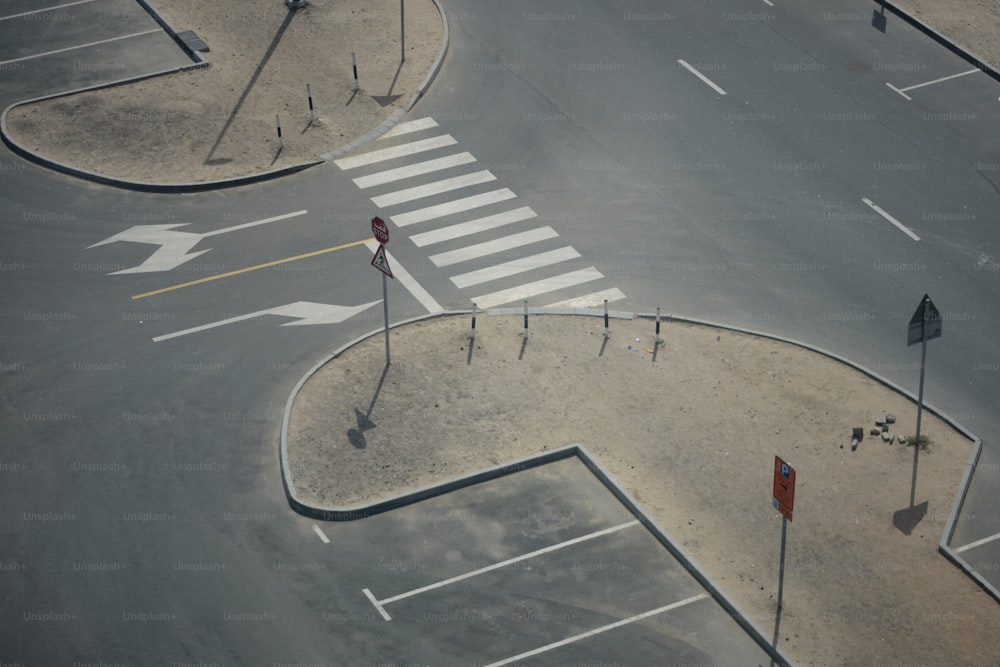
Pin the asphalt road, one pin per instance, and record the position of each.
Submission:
(144, 520)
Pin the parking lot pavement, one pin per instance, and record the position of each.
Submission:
(60, 47)
(544, 566)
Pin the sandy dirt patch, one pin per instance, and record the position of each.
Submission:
(693, 437)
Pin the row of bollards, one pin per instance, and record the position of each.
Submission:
(309, 98)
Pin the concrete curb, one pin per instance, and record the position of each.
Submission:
(175, 188)
(944, 41)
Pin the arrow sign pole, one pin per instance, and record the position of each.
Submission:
(928, 319)
(304, 312)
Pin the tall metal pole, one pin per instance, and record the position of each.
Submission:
(385, 311)
(781, 565)
(920, 400)
(402, 34)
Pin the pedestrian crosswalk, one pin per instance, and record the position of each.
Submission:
(487, 242)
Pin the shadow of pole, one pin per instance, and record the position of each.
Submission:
(253, 80)
(356, 436)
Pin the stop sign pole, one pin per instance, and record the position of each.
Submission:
(381, 232)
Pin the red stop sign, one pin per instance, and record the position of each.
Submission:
(380, 230)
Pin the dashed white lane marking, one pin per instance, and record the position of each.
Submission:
(408, 281)
(46, 9)
(473, 226)
(590, 300)
(538, 287)
(977, 543)
(903, 91)
(906, 230)
(494, 246)
(418, 169)
(701, 76)
(515, 266)
(322, 536)
(403, 150)
(411, 126)
(597, 631)
(489, 568)
(455, 206)
(81, 46)
(435, 188)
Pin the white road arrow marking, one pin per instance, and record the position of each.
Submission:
(174, 245)
(304, 312)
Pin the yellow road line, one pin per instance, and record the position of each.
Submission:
(237, 272)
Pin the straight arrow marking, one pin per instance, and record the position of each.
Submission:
(305, 312)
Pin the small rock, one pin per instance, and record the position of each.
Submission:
(880, 422)
(874, 431)
(902, 440)
(885, 428)
(890, 419)
(886, 437)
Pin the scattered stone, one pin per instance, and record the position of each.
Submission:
(886, 437)
(874, 431)
(890, 419)
(880, 422)
(902, 440)
(885, 428)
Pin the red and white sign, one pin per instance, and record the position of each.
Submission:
(784, 487)
(380, 262)
(380, 230)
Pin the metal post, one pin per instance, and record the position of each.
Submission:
(402, 34)
(309, 94)
(920, 401)
(525, 318)
(607, 330)
(385, 311)
(781, 564)
(658, 339)
(277, 121)
(475, 309)
(354, 65)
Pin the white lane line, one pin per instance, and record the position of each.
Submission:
(322, 536)
(977, 543)
(494, 246)
(514, 267)
(47, 9)
(435, 188)
(590, 300)
(403, 150)
(899, 91)
(538, 287)
(769, 3)
(944, 78)
(381, 610)
(473, 226)
(448, 208)
(496, 566)
(701, 76)
(81, 46)
(408, 281)
(247, 225)
(410, 126)
(597, 631)
(906, 230)
(418, 169)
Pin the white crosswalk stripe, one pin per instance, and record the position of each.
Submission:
(477, 255)
(491, 247)
(514, 267)
(418, 169)
(452, 207)
(410, 126)
(473, 226)
(435, 188)
(529, 290)
(403, 150)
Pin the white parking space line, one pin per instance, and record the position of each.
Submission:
(514, 267)
(597, 631)
(379, 604)
(402, 150)
(701, 76)
(538, 287)
(410, 126)
(456, 206)
(46, 9)
(418, 169)
(82, 46)
(435, 188)
(408, 281)
(977, 543)
(903, 91)
(473, 226)
(590, 300)
(322, 536)
(494, 246)
(906, 230)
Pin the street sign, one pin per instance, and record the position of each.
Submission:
(380, 230)
(380, 262)
(927, 313)
(784, 487)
